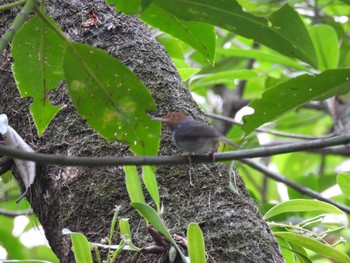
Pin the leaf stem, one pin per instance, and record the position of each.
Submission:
(51, 24)
(12, 5)
(17, 23)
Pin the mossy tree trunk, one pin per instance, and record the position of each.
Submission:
(83, 199)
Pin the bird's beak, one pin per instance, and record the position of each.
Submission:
(160, 119)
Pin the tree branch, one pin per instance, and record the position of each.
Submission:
(341, 150)
(172, 160)
(302, 189)
(15, 213)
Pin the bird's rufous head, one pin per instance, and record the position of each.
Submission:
(172, 118)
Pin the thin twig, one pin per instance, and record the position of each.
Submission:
(300, 188)
(172, 160)
(274, 132)
(15, 213)
(17, 23)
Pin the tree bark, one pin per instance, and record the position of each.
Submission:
(84, 199)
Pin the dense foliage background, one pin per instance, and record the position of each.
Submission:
(288, 60)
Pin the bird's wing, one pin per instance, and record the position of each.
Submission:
(195, 129)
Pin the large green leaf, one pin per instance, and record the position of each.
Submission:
(314, 245)
(133, 184)
(198, 35)
(111, 98)
(196, 247)
(38, 55)
(284, 31)
(80, 246)
(287, 96)
(302, 205)
(286, 250)
(150, 181)
(300, 253)
(325, 42)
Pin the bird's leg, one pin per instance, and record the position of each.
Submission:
(189, 157)
(211, 154)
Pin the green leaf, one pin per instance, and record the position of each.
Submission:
(325, 41)
(286, 34)
(130, 7)
(184, 69)
(151, 216)
(113, 225)
(148, 213)
(38, 56)
(81, 246)
(295, 33)
(200, 36)
(263, 55)
(314, 245)
(133, 184)
(221, 77)
(174, 47)
(12, 244)
(125, 229)
(150, 181)
(302, 205)
(300, 253)
(44, 252)
(287, 96)
(196, 247)
(125, 232)
(286, 250)
(111, 98)
(343, 181)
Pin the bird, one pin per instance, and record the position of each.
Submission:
(193, 136)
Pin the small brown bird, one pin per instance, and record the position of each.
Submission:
(193, 136)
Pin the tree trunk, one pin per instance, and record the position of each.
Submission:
(83, 199)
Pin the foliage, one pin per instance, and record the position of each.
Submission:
(297, 57)
(125, 97)
(81, 248)
(298, 236)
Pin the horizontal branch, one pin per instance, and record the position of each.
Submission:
(172, 160)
